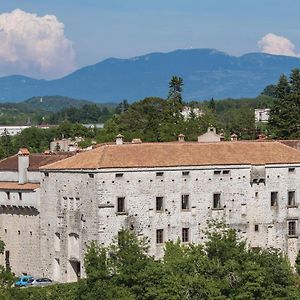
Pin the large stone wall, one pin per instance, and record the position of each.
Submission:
(20, 231)
(77, 207)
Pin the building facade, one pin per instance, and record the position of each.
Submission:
(20, 210)
(163, 191)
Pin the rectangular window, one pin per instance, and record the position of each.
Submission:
(159, 203)
(159, 236)
(159, 174)
(185, 202)
(291, 170)
(292, 230)
(217, 172)
(119, 175)
(226, 172)
(185, 235)
(20, 196)
(121, 204)
(274, 199)
(91, 175)
(291, 198)
(217, 200)
(8, 195)
(256, 228)
(185, 173)
(46, 174)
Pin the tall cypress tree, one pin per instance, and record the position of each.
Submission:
(284, 116)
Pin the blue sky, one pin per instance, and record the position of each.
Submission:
(124, 28)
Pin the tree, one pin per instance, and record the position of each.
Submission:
(269, 90)
(175, 89)
(284, 121)
(212, 105)
(295, 81)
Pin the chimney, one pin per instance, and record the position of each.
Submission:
(136, 141)
(23, 164)
(181, 137)
(212, 129)
(119, 139)
(234, 137)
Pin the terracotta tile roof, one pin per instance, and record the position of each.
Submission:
(35, 161)
(7, 185)
(179, 154)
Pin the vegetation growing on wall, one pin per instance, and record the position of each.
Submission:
(222, 268)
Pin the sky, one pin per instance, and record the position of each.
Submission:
(51, 38)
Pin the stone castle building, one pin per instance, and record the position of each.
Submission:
(163, 191)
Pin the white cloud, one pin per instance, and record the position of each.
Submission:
(34, 46)
(276, 44)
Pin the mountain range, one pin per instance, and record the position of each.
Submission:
(206, 73)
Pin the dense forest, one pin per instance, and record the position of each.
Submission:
(224, 267)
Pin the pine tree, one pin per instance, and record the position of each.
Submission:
(295, 81)
(284, 118)
(175, 90)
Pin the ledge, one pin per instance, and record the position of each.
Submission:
(122, 213)
(293, 236)
(106, 206)
(292, 206)
(221, 208)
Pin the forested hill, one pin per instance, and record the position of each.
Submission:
(206, 73)
(54, 103)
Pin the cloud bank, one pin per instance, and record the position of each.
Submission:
(34, 46)
(276, 44)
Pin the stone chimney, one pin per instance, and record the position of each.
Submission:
(23, 164)
(119, 139)
(234, 137)
(181, 137)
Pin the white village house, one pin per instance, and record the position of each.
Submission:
(163, 191)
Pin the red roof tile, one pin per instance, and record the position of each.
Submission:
(180, 154)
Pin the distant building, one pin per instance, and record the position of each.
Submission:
(262, 115)
(14, 130)
(65, 145)
(210, 136)
(92, 126)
